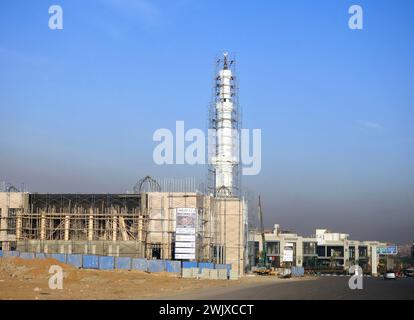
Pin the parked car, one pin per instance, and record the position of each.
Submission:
(409, 272)
(390, 274)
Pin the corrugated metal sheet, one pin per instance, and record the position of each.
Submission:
(40, 255)
(59, 256)
(156, 265)
(298, 271)
(11, 254)
(173, 266)
(27, 255)
(140, 264)
(90, 262)
(123, 263)
(75, 260)
(106, 263)
(189, 264)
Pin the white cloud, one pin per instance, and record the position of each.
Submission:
(370, 125)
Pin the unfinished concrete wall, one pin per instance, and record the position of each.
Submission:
(220, 229)
(105, 248)
(12, 205)
(98, 223)
(230, 231)
(161, 211)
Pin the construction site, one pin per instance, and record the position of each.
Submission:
(143, 223)
(135, 225)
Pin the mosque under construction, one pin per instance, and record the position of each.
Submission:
(159, 222)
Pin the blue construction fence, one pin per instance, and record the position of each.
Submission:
(206, 265)
(298, 271)
(112, 263)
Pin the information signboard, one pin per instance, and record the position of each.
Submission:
(387, 251)
(185, 230)
(287, 252)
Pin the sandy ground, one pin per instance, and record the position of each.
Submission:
(29, 280)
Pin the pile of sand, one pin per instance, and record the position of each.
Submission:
(28, 279)
(19, 268)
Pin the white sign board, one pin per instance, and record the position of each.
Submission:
(288, 256)
(287, 252)
(185, 250)
(185, 244)
(182, 237)
(185, 230)
(185, 256)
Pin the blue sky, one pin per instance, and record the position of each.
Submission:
(78, 107)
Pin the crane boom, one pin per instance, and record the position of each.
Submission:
(263, 255)
(263, 268)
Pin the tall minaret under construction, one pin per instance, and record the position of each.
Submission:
(224, 119)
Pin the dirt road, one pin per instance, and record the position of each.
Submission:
(28, 280)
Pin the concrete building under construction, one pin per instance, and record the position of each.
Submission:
(137, 225)
(144, 223)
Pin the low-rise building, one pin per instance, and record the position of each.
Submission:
(325, 250)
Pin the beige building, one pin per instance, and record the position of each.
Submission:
(12, 205)
(325, 249)
(140, 225)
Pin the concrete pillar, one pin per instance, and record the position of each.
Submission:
(69, 249)
(42, 226)
(3, 223)
(19, 225)
(67, 224)
(374, 260)
(356, 254)
(90, 225)
(346, 255)
(281, 246)
(299, 253)
(140, 225)
(114, 228)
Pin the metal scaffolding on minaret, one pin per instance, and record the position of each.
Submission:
(224, 124)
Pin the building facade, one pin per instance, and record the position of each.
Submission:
(138, 225)
(323, 251)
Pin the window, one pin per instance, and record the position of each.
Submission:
(335, 251)
(363, 251)
(321, 251)
(310, 262)
(351, 252)
(156, 250)
(309, 248)
(272, 247)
